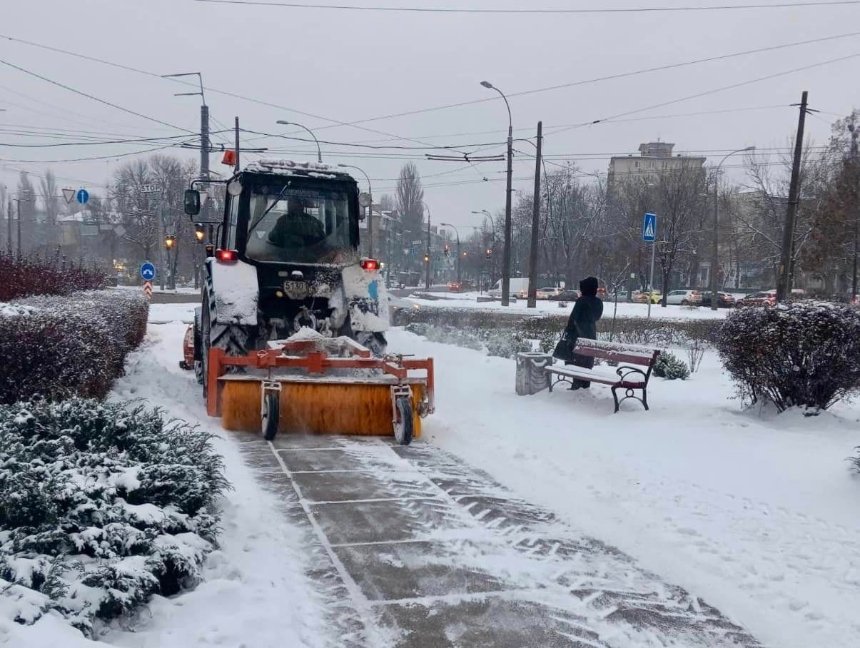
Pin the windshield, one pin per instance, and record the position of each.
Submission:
(298, 225)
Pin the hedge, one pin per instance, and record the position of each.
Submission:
(56, 347)
(505, 333)
(27, 276)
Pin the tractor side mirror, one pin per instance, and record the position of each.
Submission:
(192, 202)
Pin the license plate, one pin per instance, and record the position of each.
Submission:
(296, 289)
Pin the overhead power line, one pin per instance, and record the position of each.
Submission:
(705, 93)
(548, 11)
(609, 77)
(226, 93)
(89, 96)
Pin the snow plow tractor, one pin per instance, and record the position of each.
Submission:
(290, 335)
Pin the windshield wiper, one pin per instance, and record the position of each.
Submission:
(268, 209)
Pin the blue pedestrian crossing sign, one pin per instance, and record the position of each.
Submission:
(147, 271)
(649, 228)
(82, 196)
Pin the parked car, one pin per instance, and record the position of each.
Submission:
(621, 295)
(459, 286)
(763, 298)
(724, 300)
(547, 293)
(566, 295)
(641, 297)
(684, 297)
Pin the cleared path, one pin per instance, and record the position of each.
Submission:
(413, 548)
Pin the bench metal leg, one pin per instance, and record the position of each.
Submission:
(629, 392)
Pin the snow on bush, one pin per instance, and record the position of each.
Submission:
(55, 347)
(102, 505)
(671, 367)
(802, 354)
(23, 277)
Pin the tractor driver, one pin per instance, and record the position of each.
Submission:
(296, 228)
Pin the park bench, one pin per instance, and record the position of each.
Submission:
(623, 376)
(631, 368)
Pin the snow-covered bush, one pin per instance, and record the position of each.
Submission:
(102, 505)
(55, 347)
(22, 277)
(446, 335)
(671, 367)
(804, 354)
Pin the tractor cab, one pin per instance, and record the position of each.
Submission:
(292, 230)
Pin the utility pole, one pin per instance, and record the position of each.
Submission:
(9, 227)
(787, 259)
(533, 252)
(236, 166)
(427, 258)
(506, 252)
(855, 178)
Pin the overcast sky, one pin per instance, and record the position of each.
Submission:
(324, 66)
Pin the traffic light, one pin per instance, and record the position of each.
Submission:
(447, 251)
(426, 258)
(169, 242)
(489, 253)
(199, 233)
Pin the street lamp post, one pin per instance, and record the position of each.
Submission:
(289, 123)
(715, 258)
(458, 249)
(506, 250)
(369, 207)
(427, 257)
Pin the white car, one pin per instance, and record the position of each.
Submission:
(548, 292)
(684, 297)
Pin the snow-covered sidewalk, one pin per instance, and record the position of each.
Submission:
(754, 512)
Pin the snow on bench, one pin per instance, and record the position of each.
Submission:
(629, 378)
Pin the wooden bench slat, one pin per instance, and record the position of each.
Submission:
(628, 357)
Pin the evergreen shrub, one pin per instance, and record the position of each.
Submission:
(102, 505)
(671, 367)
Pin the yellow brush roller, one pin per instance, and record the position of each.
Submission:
(317, 406)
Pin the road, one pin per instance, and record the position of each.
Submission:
(415, 549)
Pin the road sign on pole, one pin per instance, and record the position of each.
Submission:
(649, 235)
(147, 289)
(147, 271)
(649, 228)
(69, 195)
(83, 196)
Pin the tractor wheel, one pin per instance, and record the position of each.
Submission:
(403, 421)
(270, 415)
(232, 339)
(198, 346)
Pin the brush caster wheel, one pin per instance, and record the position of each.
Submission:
(403, 420)
(269, 415)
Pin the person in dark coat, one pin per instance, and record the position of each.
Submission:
(583, 323)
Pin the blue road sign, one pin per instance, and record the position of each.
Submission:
(649, 227)
(82, 196)
(147, 271)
